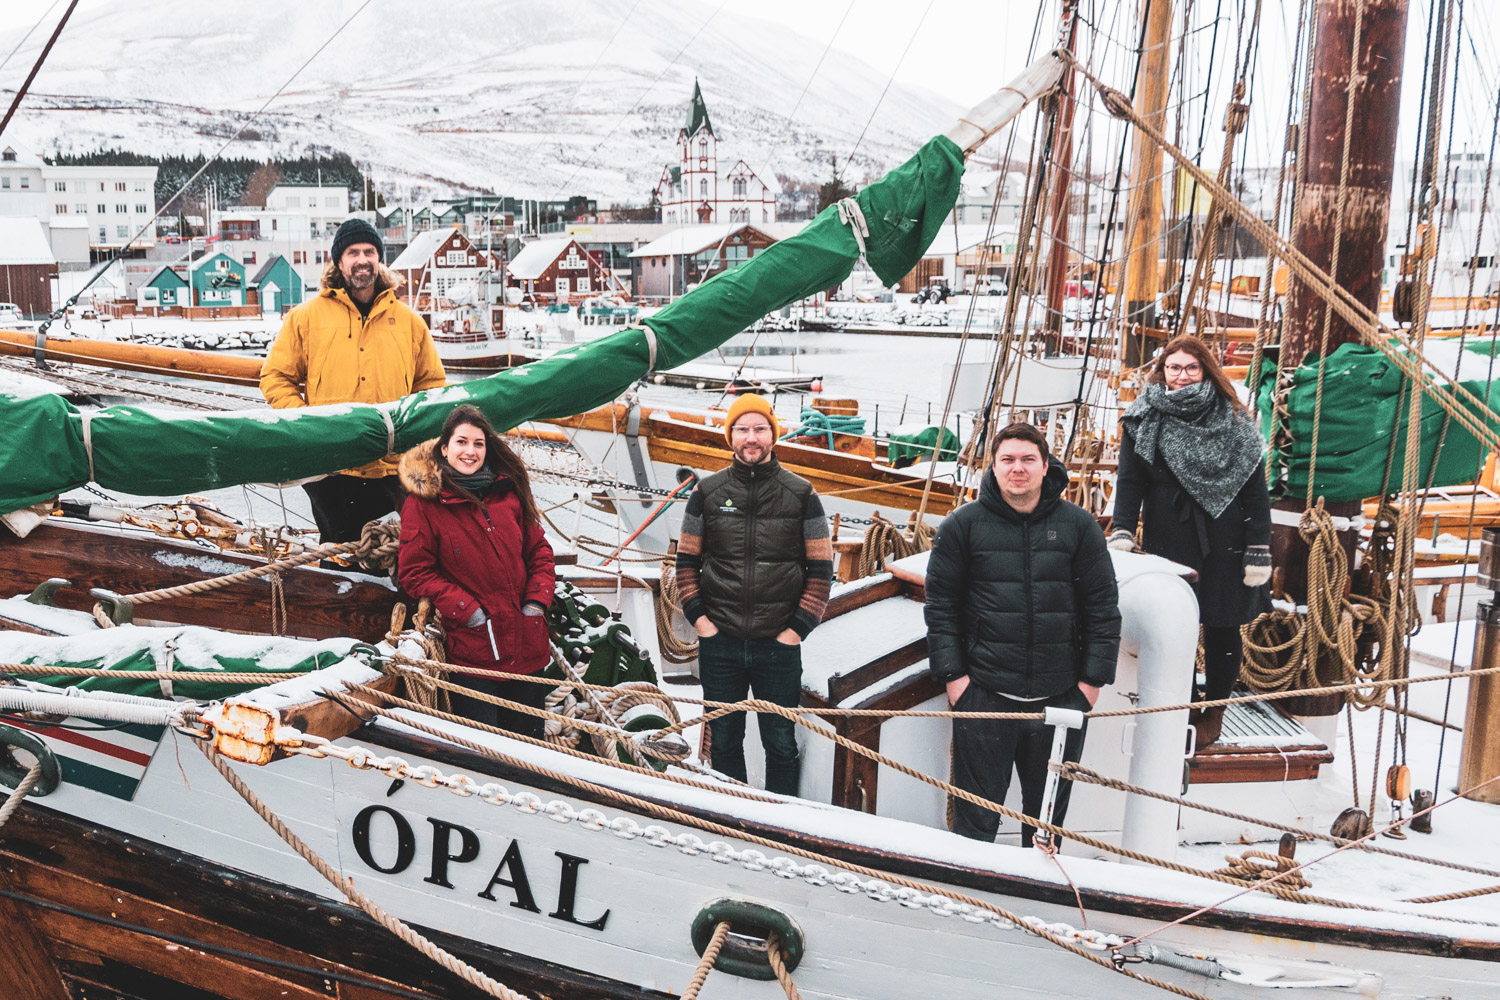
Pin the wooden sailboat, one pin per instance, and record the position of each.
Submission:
(564, 875)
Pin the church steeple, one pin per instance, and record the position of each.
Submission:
(698, 114)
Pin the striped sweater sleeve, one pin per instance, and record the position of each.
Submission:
(817, 568)
(690, 557)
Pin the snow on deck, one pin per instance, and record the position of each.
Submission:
(852, 640)
(1434, 645)
(855, 586)
(44, 616)
(1464, 831)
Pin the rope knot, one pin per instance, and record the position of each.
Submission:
(1235, 117)
(851, 215)
(1115, 103)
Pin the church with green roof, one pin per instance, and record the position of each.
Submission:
(694, 189)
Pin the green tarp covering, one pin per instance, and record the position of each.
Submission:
(905, 448)
(1365, 400)
(151, 451)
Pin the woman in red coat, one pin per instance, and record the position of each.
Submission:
(471, 540)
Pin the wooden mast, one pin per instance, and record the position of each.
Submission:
(1062, 185)
(1143, 218)
(1372, 162)
(1376, 94)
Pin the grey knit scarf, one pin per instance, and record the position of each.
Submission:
(1211, 447)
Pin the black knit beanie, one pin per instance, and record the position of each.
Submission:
(356, 231)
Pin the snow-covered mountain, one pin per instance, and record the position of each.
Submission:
(537, 98)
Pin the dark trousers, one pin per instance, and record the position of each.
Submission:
(343, 505)
(1221, 660)
(512, 721)
(729, 670)
(985, 751)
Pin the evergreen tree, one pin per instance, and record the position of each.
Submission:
(834, 190)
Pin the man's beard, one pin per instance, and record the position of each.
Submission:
(762, 454)
(362, 277)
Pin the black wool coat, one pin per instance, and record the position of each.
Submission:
(1175, 526)
(1025, 604)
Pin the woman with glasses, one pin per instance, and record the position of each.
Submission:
(1192, 480)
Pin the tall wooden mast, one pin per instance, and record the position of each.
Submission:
(1372, 159)
(1062, 185)
(1143, 218)
(1358, 231)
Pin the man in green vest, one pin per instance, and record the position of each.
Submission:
(354, 343)
(754, 569)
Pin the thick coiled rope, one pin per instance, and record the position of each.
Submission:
(1282, 648)
(887, 540)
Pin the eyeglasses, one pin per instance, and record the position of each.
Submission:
(741, 430)
(1193, 369)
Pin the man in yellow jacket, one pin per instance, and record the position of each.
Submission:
(354, 343)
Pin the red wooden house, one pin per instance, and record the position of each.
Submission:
(559, 270)
(435, 262)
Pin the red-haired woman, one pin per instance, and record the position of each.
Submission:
(472, 541)
(1192, 479)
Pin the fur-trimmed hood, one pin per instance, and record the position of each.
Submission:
(420, 475)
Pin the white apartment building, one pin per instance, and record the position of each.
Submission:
(115, 202)
(324, 208)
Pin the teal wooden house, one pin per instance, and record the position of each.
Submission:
(218, 280)
(278, 285)
(166, 289)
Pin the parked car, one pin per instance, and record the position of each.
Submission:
(1076, 289)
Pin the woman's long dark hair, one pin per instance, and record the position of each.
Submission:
(1212, 370)
(497, 455)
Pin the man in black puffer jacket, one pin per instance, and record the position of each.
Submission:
(1022, 613)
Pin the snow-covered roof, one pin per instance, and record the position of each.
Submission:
(164, 270)
(536, 257)
(25, 157)
(23, 241)
(265, 269)
(210, 255)
(420, 250)
(68, 222)
(690, 239)
(769, 180)
(966, 237)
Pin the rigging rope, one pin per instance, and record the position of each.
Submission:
(1455, 400)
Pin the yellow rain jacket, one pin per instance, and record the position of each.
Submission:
(326, 354)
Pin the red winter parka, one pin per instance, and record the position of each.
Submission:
(464, 555)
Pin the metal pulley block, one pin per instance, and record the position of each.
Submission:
(249, 733)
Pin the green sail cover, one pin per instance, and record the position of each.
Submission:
(1365, 399)
(186, 651)
(153, 451)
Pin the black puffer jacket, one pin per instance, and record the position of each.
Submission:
(1025, 604)
(753, 549)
